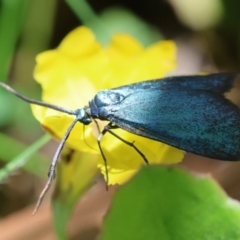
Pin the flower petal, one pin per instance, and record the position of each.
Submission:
(122, 158)
(72, 74)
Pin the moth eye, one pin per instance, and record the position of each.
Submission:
(107, 98)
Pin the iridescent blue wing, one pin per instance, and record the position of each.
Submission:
(218, 83)
(197, 121)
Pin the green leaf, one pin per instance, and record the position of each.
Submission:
(114, 20)
(168, 204)
(12, 17)
(76, 172)
(18, 155)
(121, 20)
(7, 105)
(89, 18)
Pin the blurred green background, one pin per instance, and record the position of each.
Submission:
(207, 33)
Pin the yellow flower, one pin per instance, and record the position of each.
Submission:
(74, 72)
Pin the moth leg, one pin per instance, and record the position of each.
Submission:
(100, 136)
(84, 139)
(131, 144)
(97, 125)
(106, 129)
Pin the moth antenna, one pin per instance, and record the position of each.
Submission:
(36, 102)
(52, 168)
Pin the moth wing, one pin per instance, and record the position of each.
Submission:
(218, 83)
(200, 122)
